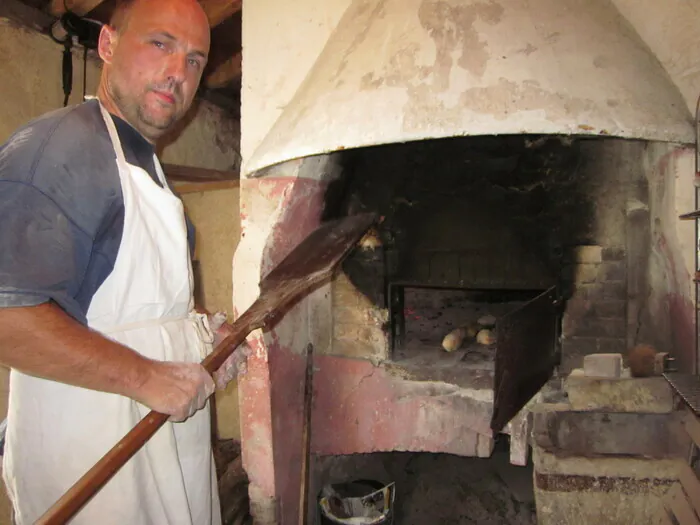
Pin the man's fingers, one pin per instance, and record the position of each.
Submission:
(206, 389)
(235, 364)
(198, 401)
(178, 389)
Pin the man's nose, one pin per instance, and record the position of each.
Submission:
(176, 69)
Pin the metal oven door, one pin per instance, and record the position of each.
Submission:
(527, 352)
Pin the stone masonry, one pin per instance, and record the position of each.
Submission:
(357, 323)
(595, 317)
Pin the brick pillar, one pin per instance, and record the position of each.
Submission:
(595, 319)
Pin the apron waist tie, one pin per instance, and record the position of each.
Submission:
(199, 321)
(146, 323)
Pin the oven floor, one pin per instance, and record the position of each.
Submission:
(472, 356)
(469, 367)
(430, 314)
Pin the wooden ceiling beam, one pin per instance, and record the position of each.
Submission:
(224, 73)
(20, 13)
(180, 173)
(182, 188)
(219, 10)
(79, 7)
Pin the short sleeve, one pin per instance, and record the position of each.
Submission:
(43, 254)
(58, 184)
(191, 235)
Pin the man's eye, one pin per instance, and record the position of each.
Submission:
(159, 44)
(194, 62)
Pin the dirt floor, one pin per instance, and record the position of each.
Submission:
(442, 489)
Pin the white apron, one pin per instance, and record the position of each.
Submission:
(57, 432)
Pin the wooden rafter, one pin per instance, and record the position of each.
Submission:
(79, 7)
(197, 187)
(224, 73)
(219, 10)
(177, 172)
(23, 14)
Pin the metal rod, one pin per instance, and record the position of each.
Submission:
(306, 437)
(697, 233)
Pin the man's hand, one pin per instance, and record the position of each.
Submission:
(176, 389)
(236, 363)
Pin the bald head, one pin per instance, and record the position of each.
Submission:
(154, 53)
(119, 16)
(123, 9)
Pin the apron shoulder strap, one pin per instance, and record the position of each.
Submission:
(114, 136)
(121, 159)
(160, 172)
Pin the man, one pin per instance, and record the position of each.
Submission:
(96, 311)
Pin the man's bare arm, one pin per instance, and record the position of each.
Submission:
(43, 341)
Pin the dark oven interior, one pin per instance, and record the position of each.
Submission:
(489, 238)
(471, 227)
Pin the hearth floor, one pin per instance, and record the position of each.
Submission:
(472, 356)
(471, 366)
(432, 314)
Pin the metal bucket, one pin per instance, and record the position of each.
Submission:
(360, 502)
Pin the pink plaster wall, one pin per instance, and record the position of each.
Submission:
(271, 394)
(256, 425)
(304, 200)
(359, 407)
(671, 301)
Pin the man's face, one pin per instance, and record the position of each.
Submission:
(153, 65)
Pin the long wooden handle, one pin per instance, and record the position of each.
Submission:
(95, 478)
(304, 268)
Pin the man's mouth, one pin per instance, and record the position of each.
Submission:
(165, 97)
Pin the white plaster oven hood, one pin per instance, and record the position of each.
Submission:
(404, 70)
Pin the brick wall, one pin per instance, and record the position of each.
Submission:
(595, 317)
(357, 323)
(600, 316)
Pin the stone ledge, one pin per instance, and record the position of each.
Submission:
(568, 433)
(647, 395)
(615, 466)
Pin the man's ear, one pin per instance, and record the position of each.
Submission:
(107, 43)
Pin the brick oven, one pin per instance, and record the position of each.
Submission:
(539, 232)
(525, 161)
(528, 230)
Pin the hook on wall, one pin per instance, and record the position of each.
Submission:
(80, 30)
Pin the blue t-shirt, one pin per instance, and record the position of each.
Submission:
(61, 207)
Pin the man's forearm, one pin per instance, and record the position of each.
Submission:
(43, 341)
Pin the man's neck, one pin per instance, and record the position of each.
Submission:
(110, 105)
(107, 102)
